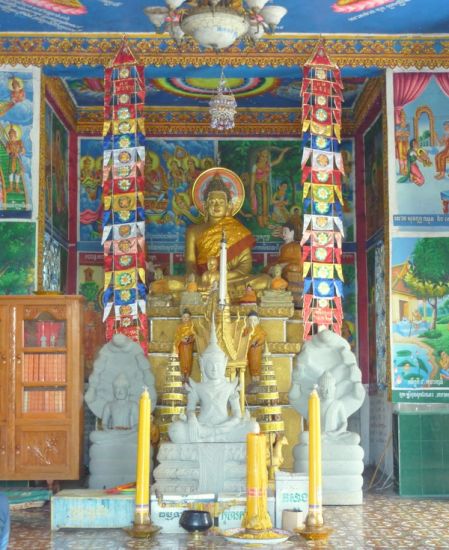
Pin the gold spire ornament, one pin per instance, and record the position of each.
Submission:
(173, 398)
(269, 414)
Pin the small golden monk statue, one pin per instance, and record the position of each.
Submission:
(255, 350)
(211, 277)
(184, 340)
(278, 283)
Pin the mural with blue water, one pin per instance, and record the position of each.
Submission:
(420, 319)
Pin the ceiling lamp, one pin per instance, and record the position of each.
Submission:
(215, 24)
(222, 107)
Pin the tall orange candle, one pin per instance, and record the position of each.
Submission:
(142, 511)
(315, 514)
(256, 517)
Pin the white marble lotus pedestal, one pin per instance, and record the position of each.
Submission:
(342, 468)
(201, 468)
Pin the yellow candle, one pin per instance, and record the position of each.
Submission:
(142, 515)
(256, 517)
(314, 516)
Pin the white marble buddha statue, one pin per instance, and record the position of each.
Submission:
(213, 394)
(120, 373)
(326, 361)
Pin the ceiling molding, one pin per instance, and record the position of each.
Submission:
(193, 122)
(279, 50)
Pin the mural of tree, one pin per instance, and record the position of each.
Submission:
(428, 276)
(17, 257)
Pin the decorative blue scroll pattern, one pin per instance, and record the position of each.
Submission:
(322, 170)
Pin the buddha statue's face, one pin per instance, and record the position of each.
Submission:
(214, 368)
(217, 205)
(253, 320)
(121, 391)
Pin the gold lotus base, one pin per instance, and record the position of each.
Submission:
(142, 530)
(314, 533)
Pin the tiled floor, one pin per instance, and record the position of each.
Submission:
(383, 521)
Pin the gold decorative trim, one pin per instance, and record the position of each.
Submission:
(41, 190)
(55, 89)
(290, 50)
(281, 348)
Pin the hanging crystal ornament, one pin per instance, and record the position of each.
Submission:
(222, 107)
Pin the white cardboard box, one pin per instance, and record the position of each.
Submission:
(166, 512)
(292, 493)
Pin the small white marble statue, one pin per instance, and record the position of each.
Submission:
(214, 393)
(207, 453)
(120, 373)
(327, 361)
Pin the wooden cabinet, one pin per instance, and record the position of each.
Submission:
(41, 387)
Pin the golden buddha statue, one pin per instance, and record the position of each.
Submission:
(203, 240)
(184, 340)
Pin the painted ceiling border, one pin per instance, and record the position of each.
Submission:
(382, 51)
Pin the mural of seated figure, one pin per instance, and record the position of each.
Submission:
(120, 373)
(327, 361)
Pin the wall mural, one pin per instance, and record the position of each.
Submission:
(421, 190)
(373, 144)
(56, 175)
(16, 146)
(90, 176)
(17, 257)
(419, 319)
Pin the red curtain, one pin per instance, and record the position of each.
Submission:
(407, 87)
(443, 81)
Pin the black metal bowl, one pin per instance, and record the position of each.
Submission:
(195, 521)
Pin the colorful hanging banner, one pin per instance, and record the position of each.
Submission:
(123, 238)
(322, 168)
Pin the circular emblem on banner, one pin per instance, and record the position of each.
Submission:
(123, 215)
(125, 310)
(124, 185)
(123, 113)
(322, 207)
(125, 260)
(125, 295)
(323, 272)
(126, 322)
(124, 245)
(321, 100)
(123, 98)
(124, 127)
(324, 288)
(231, 181)
(124, 279)
(124, 142)
(124, 157)
(124, 72)
(124, 202)
(322, 160)
(322, 176)
(321, 221)
(320, 74)
(321, 115)
(323, 193)
(322, 238)
(124, 230)
(124, 171)
(320, 254)
(322, 303)
(321, 142)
